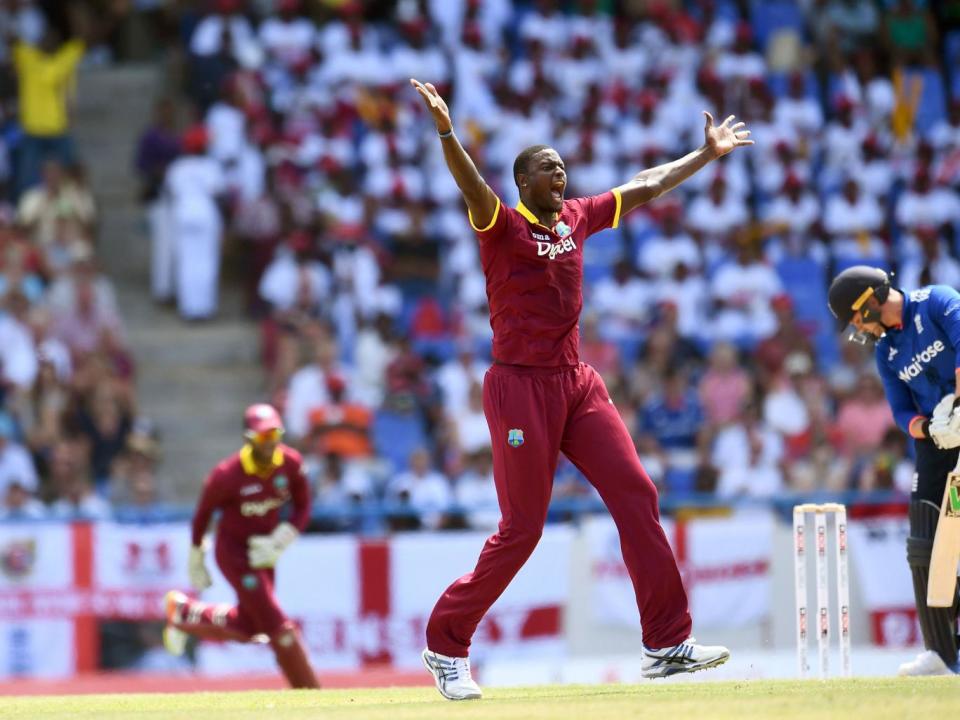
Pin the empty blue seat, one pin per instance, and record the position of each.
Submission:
(767, 18)
(600, 253)
(396, 435)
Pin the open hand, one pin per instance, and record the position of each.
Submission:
(435, 104)
(724, 137)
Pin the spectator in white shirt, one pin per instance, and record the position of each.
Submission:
(16, 465)
(226, 22)
(286, 37)
(294, 279)
(194, 183)
(456, 376)
(925, 204)
(742, 291)
(660, 254)
(470, 429)
(852, 212)
(425, 490)
(795, 208)
(19, 503)
(622, 301)
(713, 216)
(307, 387)
(18, 356)
(799, 109)
(748, 455)
(933, 265)
(741, 62)
(69, 476)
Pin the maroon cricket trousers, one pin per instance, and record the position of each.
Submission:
(533, 415)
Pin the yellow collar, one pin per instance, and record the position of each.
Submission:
(250, 466)
(529, 216)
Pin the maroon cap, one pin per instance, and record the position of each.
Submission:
(261, 418)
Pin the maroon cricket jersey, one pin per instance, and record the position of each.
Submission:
(250, 498)
(535, 278)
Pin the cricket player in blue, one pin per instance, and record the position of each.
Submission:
(917, 345)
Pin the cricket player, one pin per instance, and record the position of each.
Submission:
(916, 338)
(540, 400)
(248, 488)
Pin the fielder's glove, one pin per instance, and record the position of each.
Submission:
(944, 427)
(263, 551)
(197, 569)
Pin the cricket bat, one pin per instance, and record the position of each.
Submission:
(942, 583)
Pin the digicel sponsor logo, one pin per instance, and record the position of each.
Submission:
(554, 249)
(913, 369)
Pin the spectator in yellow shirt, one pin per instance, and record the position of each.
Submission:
(46, 75)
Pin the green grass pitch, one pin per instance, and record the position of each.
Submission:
(861, 699)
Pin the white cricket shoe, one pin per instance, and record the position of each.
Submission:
(452, 676)
(686, 657)
(926, 663)
(174, 639)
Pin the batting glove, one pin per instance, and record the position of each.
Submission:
(944, 427)
(263, 551)
(197, 569)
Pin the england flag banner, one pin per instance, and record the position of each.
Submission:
(366, 601)
(725, 564)
(887, 596)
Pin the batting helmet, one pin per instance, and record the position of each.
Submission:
(261, 418)
(851, 289)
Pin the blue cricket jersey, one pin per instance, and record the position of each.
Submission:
(918, 361)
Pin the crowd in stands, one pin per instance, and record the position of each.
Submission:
(704, 311)
(71, 442)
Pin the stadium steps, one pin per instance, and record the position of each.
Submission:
(194, 380)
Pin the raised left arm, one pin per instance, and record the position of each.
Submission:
(654, 182)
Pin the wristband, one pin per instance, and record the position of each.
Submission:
(446, 134)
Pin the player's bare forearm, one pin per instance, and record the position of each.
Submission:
(480, 199)
(653, 182)
(718, 140)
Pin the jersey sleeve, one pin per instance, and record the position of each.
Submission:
(601, 212)
(300, 492)
(496, 229)
(945, 313)
(210, 500)
(898, 396)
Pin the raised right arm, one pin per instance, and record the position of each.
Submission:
(480, 199)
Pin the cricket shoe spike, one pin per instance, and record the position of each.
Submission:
(686, 657)
(452, 676)
(926, 663)
(174, 639)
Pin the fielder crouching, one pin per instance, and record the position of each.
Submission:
(248, 488)
(917, 347)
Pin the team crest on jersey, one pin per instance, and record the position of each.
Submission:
(249, 581)
(280, 482)
(562, 229)
(515, 437)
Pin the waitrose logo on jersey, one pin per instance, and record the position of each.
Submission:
(910, 371)
(557, 248)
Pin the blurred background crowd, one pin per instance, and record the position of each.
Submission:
(295, 143)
